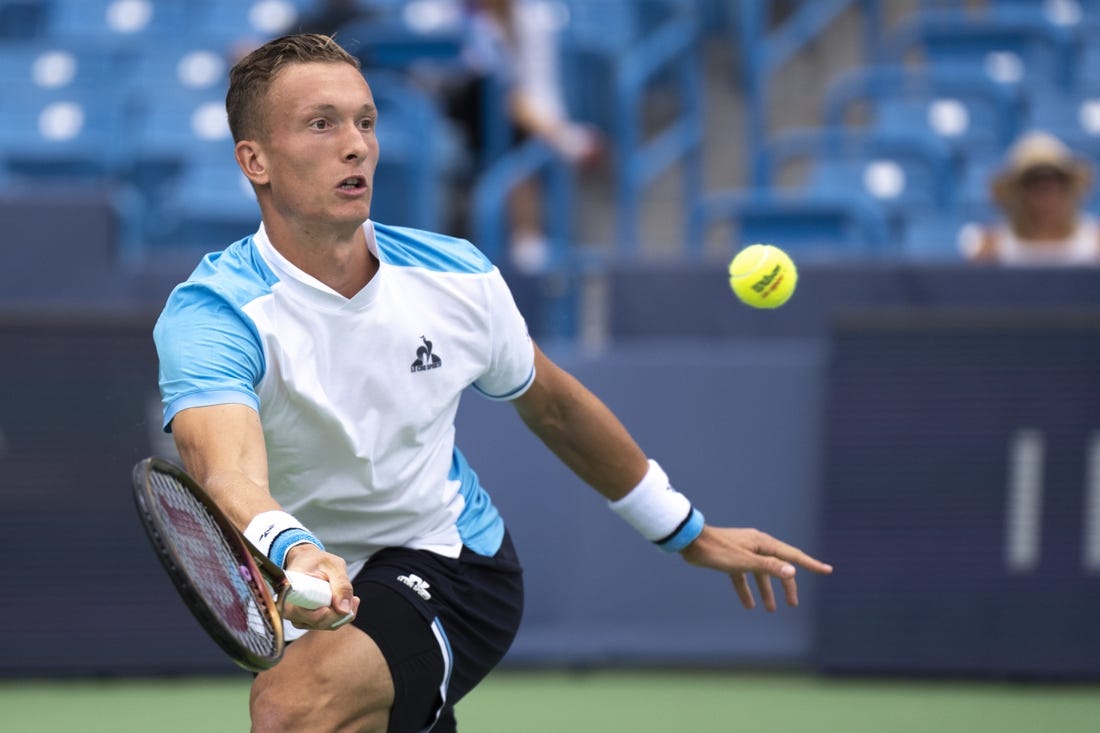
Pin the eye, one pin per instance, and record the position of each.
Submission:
(367, 123)
(319, 124)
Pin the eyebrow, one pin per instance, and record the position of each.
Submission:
(317, 108)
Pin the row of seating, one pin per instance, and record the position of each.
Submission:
(140, 21)
(908, 143)
(131, 92)
(902, 159)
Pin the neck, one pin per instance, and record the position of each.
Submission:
(338, 256)
(1036, 228)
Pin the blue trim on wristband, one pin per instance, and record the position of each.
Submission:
(685, 534)
(287, 539)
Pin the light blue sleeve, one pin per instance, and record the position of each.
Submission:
(209, 351)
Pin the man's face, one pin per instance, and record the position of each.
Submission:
(1048, 193)
(320, 150)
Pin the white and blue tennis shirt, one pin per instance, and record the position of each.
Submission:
(357, 396)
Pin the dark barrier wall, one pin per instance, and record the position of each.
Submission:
(962, 495)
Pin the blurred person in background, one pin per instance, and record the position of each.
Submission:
(513, 42)
(1040, 190)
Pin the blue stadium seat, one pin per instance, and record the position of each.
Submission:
(899, 168)
(972, 113)
(211, 204)
(831, 222)
(22, 20)
(1013, 45)
(414, 151)
(906, 175)
(119, 21)
(398, 36)
(233, 23)
(53, 65)
(62, 135)
(932, 236)
(179, 104)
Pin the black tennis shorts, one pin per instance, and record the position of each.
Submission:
(442, 625)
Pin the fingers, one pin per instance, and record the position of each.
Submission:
(333, 569)
(764, 584)
(741, 585)
(790, 591)
(738, 552)
(771, 546)
(321, 618)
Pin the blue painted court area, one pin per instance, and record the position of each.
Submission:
(596, 702)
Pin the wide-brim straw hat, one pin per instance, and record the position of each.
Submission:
(1038, 150)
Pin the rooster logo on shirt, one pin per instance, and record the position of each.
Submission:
(425, 359)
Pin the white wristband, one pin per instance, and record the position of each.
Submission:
(275, 532)
(659, 512)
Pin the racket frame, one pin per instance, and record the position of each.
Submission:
(251, 561)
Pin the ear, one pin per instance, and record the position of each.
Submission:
(251, 159)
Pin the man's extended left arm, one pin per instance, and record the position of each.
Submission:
(595, 445)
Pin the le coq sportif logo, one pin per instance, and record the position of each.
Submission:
(425, 359)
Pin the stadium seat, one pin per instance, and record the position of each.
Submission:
(210, 205)
(834, 223)
(897, 167)
(119, 21)
(236, 24)
(904, 174)
(932, 236)
(968, 110)
(414, 151)
(50, 64)
(1012, 45)
(62, 135)
(22, 20)
(397, 37)
(179, 112)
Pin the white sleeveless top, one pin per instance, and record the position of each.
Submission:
(1082, 247)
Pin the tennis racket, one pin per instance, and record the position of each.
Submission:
(220, 575)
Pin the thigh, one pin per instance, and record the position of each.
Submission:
(326, 681)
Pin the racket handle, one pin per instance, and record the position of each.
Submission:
(307, 591)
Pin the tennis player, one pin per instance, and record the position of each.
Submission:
(311, 373)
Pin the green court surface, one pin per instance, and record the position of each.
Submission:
(598, 701)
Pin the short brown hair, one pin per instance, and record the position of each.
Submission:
(251, 77)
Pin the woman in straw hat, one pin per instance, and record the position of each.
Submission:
(1040, 189)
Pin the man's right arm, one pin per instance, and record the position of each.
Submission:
(222, 447)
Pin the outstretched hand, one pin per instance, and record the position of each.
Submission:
(739, 552)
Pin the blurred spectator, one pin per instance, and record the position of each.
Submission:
(1040, 191)
(513, 42)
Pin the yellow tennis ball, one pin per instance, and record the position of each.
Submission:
(763, 276)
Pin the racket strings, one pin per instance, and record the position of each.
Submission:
(223, 581)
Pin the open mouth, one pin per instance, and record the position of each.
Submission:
(353, 183)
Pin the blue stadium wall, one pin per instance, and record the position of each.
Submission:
(868, 421)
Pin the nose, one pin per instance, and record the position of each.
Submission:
(355, 143)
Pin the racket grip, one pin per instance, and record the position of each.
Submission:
(307, 591)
